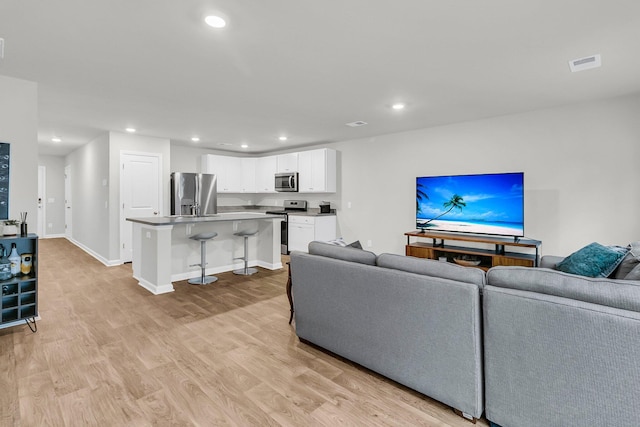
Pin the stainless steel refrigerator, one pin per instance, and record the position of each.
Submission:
(193, 194)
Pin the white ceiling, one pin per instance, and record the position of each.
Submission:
(306, 68)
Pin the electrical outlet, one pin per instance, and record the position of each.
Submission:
(349, 205)
(50, 225)
(369, 243)
(148, 235)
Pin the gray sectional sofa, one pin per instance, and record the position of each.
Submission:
(528, 346)
(560, 349)
(417, 322)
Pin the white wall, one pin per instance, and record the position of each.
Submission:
(19, 127)
(90, 196)
(54, 203)
(95, 170)
(582, 180)
(187, 159)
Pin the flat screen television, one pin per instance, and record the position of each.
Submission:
(478, 204)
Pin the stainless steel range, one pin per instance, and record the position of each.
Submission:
(290, 206)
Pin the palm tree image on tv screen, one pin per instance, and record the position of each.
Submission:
(481, 204)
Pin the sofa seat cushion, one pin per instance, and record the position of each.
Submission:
(345, 253)
(624, 294)
(429, 267)
(594, 260)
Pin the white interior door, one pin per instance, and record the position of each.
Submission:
(67, 203)
(140, 194)
(42, 200)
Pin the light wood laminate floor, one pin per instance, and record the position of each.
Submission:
(109, 353)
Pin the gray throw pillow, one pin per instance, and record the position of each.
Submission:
(355, 244)
(634, 274)
(629, 262)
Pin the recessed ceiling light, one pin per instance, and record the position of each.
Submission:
(55, 139)
(130, 130)
(398, 106)
(244, 146)
(356, 124)
(195, 139)
(282, 138)
(215, 21)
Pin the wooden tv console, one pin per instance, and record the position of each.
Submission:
(488, 258)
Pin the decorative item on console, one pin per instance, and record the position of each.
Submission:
(5, 264)
(23, 224)
(10, 227)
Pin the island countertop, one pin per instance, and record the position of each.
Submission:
(188, 219)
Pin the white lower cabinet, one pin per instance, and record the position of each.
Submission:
(305, 229)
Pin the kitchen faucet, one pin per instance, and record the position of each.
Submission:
(195, 209)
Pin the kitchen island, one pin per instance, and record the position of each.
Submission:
(163, 252)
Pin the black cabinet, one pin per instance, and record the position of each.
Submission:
(20, 293)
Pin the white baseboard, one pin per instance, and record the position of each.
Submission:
(108, 263)
(52, 236)
(156, 290)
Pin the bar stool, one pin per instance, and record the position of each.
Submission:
(246, 271)
(203, 238)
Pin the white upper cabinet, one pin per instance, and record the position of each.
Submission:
(248, 179)
(265, 174)
(287, 162)
(228, 171)
(317, 171)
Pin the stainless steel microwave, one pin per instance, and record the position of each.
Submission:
(287, 181)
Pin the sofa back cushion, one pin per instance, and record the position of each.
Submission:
(624, 294)
(429, 267)
(344, 253)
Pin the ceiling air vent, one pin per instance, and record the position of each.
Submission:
(585, 63)
(356, 124)
(1, 48)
